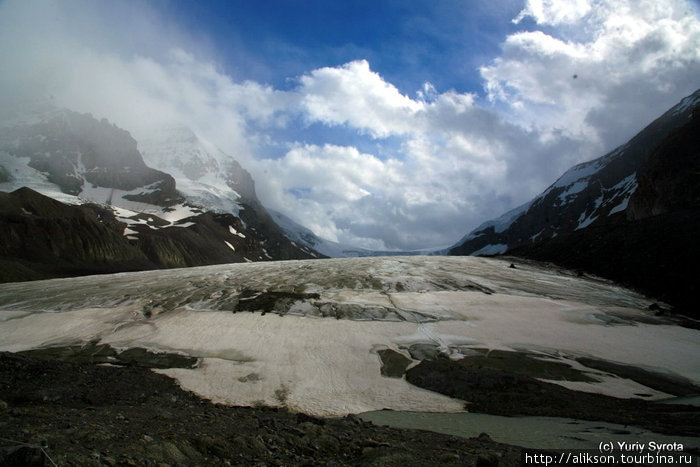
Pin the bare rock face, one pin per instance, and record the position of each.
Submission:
(240, 180)
(670, 180)
(46, 235)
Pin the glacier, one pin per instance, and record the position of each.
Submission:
(313, 329)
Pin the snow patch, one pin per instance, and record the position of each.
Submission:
(575, 188)
(235, 232)
(114, 199)
(623, 191)
(496, 249)
(534, 237)
(620, 207)
(578, 172)
(229, 245)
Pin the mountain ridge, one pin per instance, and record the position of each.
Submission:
(629, 216)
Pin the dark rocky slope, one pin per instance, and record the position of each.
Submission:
(44, 238)
(655, 247)
(84, 414)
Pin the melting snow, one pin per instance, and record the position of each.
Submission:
(235, 232)
(620, 207)
(172, 215)
(534, 237)
(114, 199)
(184, 224)
(576, 173)
(622, 191)
(329, 366)
(499, 224)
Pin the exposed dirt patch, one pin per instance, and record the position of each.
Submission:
(394, 364)
(525, 364)
(271, 301)
(103, 353)
(670, 384)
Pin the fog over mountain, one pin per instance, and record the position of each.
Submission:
(369, 141)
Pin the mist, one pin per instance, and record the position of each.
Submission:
(341, 149)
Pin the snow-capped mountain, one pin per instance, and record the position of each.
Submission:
(631, 216)
(205, 175)
(588, 194)
(300, 235)
(198, 207)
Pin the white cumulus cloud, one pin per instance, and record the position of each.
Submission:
(601, 70)
(356, 96)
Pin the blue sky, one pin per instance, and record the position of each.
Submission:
(382, 124)
(407, 42)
